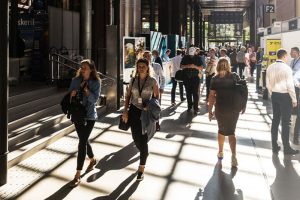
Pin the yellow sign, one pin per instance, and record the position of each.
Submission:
(272, 47)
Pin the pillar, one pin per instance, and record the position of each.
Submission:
(137, 10)
(3, 90)
(86, 28)
(197, 24)
(152, 14)
(297, 7)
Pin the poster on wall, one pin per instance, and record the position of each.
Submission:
(272, 45)
(26, 28)
(133, 50)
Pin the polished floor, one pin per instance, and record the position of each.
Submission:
(182, 163)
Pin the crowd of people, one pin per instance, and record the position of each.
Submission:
(220, 67)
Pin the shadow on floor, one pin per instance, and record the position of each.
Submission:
(116, 160)
(115, 195)
(180, 126)
(287, 180)
(220, 186)
(61, 193)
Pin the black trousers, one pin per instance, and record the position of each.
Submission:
(84, 146)
(140, 140)
(173, 91)
(282, 110)
(241, 67)
(207, 83)
(297, 123)
(192, 92)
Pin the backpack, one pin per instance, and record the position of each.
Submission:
(240, 57)
(240, 96)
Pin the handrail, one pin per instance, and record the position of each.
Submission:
(52, 60)
(68, 59)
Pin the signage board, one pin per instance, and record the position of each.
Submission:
(269, 8)
(272, 46)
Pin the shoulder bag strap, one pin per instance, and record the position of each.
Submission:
(133, 79)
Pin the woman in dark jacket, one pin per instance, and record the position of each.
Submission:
(221, 96)
(86, 87)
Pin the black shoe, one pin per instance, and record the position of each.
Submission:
(183, 99)
(196, 112)
(140, 176)
(291, 151)
(157, 126)
(276, 149)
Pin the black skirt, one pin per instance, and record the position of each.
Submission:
(227, 122)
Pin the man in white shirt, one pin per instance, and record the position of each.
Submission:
(295, 65)
(223, 54)
(279, 80)
(174, 67)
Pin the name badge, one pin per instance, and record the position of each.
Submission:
(140, 101)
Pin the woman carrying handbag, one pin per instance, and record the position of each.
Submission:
(85, 87)
(142, 88)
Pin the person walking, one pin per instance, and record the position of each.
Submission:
(220, 96)
(143, 87)
(209, 73)
(295, 65)
(233, 61)
(157, 58)
(192, 66)
(241, 60)
(174, 67)
(279, 81)
(85, 87)
(159, 76)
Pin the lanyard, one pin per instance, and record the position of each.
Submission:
(141, 89)
(294, 63)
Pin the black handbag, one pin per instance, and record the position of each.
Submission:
(179, 76)
(122, 125)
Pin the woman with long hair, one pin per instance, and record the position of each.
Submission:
(85, 87)
(221, 96)
(142, 88)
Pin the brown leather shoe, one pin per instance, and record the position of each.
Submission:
(91, 166)
(75, 182)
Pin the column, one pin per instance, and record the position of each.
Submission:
(201, 30)
(163, 16)
(86, 28)
(197, 24)
(152, 14)
(175, 17)
(3, 90)
(191, 21)
(13, 33)
(137, 11)
(297, 7)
